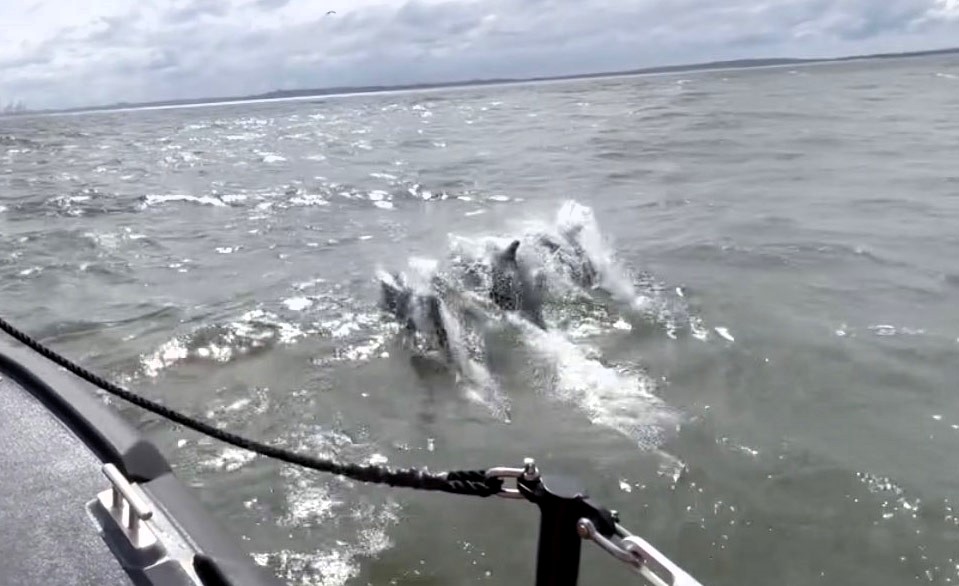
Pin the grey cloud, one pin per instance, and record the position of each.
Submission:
(865, 20)
(203, 49)
(113, 29)
(272, 3)
(197, 10)
(39, 57)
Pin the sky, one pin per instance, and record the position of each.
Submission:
(66, 53)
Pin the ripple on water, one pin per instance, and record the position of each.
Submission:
(254, 331)
(223, 157)
(354, 528)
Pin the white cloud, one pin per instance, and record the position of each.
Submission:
(70, 52)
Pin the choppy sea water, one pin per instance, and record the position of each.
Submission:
(774, 402)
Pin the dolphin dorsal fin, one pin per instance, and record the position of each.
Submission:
(510, 253)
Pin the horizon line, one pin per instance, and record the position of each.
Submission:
(282, 95)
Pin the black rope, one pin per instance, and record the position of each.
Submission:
(466, 482)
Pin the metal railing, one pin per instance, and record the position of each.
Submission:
(567, 517)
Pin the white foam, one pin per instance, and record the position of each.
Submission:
(166, 355)
(622, 401)
(332, 568)
(287, 332)
(417, 192)
(424, 267)
(697, 329)
(307, 284)
(270, 158)
(309, 200)
(377, 460)
(159, 199)
(252, 330)
(312, 500)
(297, 303)
(348, 323)
(383, 205)
(231, 459)
(363, 351)
(890, 330)
(239, 404)
(585, 329)
(309, 504)
(215, 352)
(725, 333)
(884, 330)
(242, 136)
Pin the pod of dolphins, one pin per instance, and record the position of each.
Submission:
(512, 287)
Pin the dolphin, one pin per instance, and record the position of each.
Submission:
(513, 289)
(570, 252)
(418, 312)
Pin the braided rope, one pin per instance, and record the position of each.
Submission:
(465, 482)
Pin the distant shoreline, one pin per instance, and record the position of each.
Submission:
(306, 94)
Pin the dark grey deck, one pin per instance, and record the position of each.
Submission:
(46, 477)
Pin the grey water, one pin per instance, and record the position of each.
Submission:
(778, 406)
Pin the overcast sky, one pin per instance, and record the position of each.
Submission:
(56, 53)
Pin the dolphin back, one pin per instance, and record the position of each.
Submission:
(514, 289)
(394, 295)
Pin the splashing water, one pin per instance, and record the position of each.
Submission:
(619, 399)
(571, 260)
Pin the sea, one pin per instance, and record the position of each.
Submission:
(763, 380)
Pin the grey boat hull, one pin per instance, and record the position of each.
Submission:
(59, 523)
